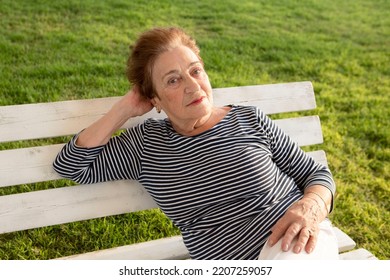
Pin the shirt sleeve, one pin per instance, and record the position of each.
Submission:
(292, 160)
(119, 159)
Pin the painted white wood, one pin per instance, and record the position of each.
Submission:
(30, 165)
(68, 117)
(55, 119)
(319, 156)
(272, 98)
(303, 130)
(358, 254)
(68, 204)
(171, 248)
(345, 242)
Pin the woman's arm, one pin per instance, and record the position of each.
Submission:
(100, 132)
(322, 196)
(94, 156)
(302, 219)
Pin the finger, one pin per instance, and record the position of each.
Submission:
(304, 236)
(291, 233)
(278, 231)
(311, 244)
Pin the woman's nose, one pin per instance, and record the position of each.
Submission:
(191, 85)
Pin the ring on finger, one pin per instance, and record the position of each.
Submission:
(310, 231)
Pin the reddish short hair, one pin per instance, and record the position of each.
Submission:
(147, 48)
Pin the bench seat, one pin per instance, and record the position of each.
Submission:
(172, 248)
(23, 165)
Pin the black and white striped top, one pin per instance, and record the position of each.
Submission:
(224, 188)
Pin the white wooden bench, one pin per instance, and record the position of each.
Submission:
(55, 206)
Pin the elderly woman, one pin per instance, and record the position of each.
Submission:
(230, 180)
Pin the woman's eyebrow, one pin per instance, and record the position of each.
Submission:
(193, 63)
(169, 73)
(175, 71)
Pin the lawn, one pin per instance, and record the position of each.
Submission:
(60, 50)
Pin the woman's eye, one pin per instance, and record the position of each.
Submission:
(197, 71)
(172, 81)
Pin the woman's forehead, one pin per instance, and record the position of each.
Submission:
(175, 59)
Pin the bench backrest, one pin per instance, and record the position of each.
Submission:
(52, 206)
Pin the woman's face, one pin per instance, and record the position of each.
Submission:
(183, 88)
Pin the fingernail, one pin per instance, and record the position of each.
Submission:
(285, 248)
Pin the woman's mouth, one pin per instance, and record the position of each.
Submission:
(196, 101)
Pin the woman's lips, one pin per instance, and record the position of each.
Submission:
(196, 101)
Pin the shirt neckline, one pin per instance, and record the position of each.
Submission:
(204, 133)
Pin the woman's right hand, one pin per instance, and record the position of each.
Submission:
(132, 104)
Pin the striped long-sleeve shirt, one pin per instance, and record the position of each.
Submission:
(224, 188)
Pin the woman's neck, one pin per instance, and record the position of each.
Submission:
(198, 126)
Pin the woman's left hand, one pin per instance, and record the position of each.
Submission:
(301, 222)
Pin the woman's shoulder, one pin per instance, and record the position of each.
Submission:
(246, 110)
(147, 126)
(155, 122)
(157, 126)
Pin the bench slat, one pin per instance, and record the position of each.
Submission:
(358, 254)
(346, 243)
(30, 165)
(68, 204)
(170, 248)
(272, 98)
(82, 202)
(302, 130)
(173, 248)
(68, 117)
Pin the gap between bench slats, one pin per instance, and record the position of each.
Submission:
(82, 202)
(69, 117)
(30, 165)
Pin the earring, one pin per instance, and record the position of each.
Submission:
(158, 109)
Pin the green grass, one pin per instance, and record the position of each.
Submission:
(59, 50)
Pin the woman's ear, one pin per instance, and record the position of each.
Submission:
(155, 102)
